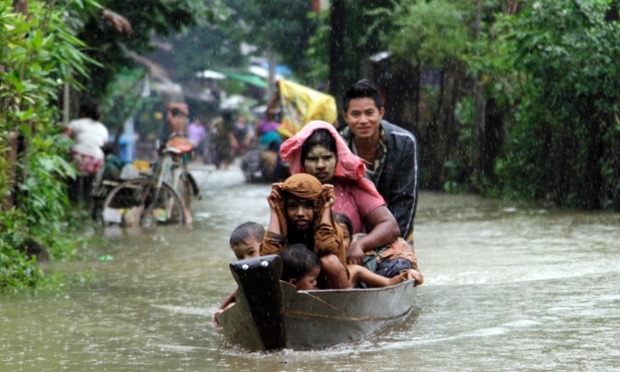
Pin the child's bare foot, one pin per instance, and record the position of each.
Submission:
(408, 275)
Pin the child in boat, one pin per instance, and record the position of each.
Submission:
(360, 273)
(300, 267)
(301, 213)
(245, 242)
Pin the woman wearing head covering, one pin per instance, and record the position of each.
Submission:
(301, 213)
(318, 150)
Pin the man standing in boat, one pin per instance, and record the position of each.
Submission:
(390, 153)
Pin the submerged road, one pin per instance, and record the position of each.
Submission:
(509, 286)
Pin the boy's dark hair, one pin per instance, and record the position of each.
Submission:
(319, 137)
(242, 233)
(344, 219)
(297, 261)
(362, 89)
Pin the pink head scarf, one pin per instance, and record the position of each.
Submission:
(349, 165)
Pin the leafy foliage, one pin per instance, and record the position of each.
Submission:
(428, 32)
(114, 50)
(282, 26)
(37, 53)
(16, 270)
(564, 135)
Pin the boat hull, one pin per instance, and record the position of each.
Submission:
(270, 314)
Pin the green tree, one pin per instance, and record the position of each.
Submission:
(209, 45)
(563, 144)
(114, 50)
(282, 27)
(432, 37)
(37, 51)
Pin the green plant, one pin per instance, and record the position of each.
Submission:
(562, 140)
(38, 53)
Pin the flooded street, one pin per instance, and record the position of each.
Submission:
(508, 287)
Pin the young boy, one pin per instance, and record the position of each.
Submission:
(300, 267)
(245, 242)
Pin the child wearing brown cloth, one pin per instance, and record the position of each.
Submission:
(301, 213)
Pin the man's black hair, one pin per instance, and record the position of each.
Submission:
(246, 231)
(362, 89)
(319, 137)
(89, 110)
(297, 261)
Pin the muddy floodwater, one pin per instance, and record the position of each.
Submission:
(509, 287)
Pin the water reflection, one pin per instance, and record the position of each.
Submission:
(509, 286)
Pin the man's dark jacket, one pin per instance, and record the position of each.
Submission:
(398, 180)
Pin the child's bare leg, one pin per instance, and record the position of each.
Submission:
(333, 274)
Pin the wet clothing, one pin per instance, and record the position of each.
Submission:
(356, 196)
(390, 260)
(86, 164)
(197, 133)
(241, 131)
(349, 165)
(395, 173)
(113, 165)
(90, 136)
(266, 139)
(266, 126)
(220, 140)
(354, 202)
(323, 239)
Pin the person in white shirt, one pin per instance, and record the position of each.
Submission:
(87, 154)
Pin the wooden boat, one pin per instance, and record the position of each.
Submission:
(270, 314)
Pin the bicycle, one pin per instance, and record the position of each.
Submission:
(162, 197)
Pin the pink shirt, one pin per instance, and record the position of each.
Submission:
(355, 202)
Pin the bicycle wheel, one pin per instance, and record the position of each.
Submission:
(138, 202)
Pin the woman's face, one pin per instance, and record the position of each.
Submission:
(300, 212)
(321, 163)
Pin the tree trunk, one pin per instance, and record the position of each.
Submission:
(493, 140)
(336, 50)
(479, 135)
(434, 141)
(19, 6)
(450, 130)
(403, 96)
(591, 184)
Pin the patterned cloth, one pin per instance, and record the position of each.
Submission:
(348, 166)
(390, 260)
(86, 164)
